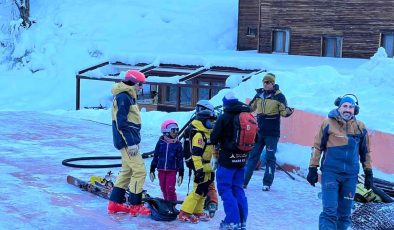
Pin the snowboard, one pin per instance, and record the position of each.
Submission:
(94, 188)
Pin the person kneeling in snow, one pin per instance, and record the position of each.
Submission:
(126, 126)
(168, 159)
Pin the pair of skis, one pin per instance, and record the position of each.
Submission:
(95, 187)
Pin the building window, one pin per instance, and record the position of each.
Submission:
(171, 94)
(332, 46)
(280, 41)
(251, 32)
(203, 93)
(216, 91)
(186, 94)
(387, 42)
(208, 93)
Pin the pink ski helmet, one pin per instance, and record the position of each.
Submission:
(134, 76)
(167, 125)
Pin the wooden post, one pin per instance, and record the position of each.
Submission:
(178, 98)
(77, 92)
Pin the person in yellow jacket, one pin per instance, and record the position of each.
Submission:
(126, 126)
(192, 209)
(270, 105)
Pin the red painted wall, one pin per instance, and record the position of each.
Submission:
(302, 127)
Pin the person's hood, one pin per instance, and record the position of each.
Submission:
(121, 87)
(237, 108)
(200, 127)
(334, 114)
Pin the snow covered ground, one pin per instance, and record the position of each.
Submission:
(35, 194)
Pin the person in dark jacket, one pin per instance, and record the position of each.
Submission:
(126, 126)
(230, 165)
(168, 160)
(269, 104)
(344, 142)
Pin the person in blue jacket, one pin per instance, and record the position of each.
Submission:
(343, 142)
(126, 126)
(168, 160)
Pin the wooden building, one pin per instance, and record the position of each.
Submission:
(336, 28)
(196, 82)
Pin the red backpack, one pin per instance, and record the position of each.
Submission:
(245, 130)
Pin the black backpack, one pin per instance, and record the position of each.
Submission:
(162, 210)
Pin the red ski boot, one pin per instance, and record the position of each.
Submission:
(114, 207)
(139, 209)
(186, 217)
(203, 216)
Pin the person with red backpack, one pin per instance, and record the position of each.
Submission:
(235, 132)
(270, 105)
(168, 160)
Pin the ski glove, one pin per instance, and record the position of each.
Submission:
(152, 176)
(312, 177)
(199, 176)
(179, 180)
(132, 150)
(368, 183)
(289, 111)
(214, 163)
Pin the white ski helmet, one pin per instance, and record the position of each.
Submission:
(204, 105)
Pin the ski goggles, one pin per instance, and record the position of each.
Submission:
(174, 130)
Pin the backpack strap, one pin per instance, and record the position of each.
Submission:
(190, 146)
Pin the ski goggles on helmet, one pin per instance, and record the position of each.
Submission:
(174, 130)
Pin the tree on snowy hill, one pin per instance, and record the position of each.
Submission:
(24, 11)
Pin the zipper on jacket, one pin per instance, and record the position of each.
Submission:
(347, 136)
(165, 164)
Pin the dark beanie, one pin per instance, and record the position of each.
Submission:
(229, 99)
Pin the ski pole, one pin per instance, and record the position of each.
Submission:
(280, 167)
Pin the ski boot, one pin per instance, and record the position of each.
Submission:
(228, 226)
(242, 226)
(212, 208)
(139, 209)
(186, 217)
(114, 207)
(266, 188)
(203, 216)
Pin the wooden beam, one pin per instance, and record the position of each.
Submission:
(93, 67)
(247, 77)
(194, 74)
(147, 68)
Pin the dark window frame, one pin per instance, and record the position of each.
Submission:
(251, 31)
(337, 52)
(382, 42)
(285, 49)
(211, 82)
